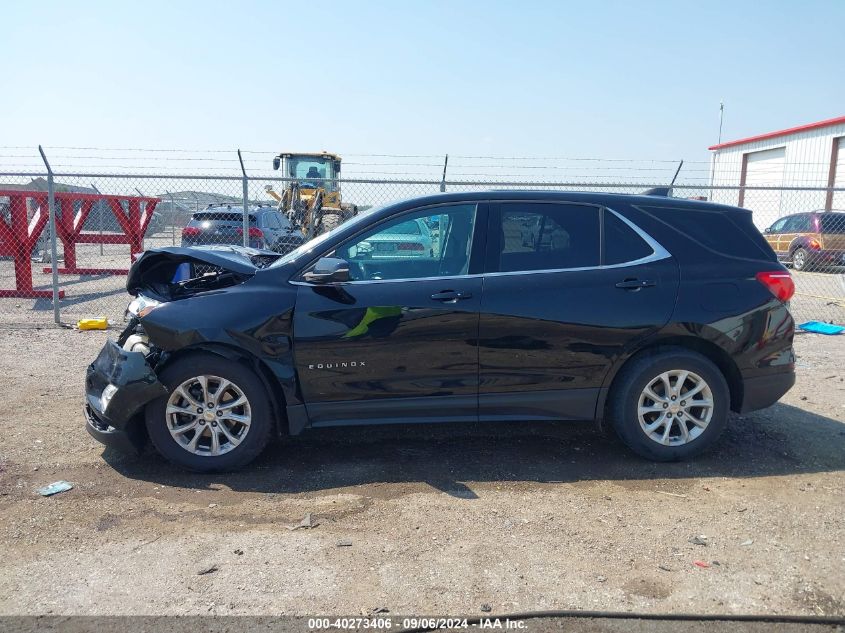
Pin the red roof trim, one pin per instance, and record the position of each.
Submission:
(792, 130)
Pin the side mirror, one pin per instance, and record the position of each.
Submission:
(277, 160)
(328, 270)
(768, 229)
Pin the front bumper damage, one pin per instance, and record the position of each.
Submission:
(118, 385)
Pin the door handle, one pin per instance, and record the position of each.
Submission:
(451, 296)
(635, 284)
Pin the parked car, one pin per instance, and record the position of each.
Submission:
(407, 239)
(810, 240)
(654, 315)
(268, 229)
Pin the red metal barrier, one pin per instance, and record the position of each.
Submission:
(69, 228)
(18, 236)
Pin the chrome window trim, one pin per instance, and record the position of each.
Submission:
(658, 253)
(386, 281)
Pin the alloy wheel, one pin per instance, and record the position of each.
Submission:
(675, 407)
(208, 415)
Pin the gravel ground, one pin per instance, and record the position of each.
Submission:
(438, 520)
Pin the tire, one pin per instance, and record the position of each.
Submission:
(249, 439)
(629, 393)
(329, 222)
(799, 258)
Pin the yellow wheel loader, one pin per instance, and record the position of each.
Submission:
(311, 201)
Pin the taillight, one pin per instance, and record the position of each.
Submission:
(814, 244)
(191, 231)
(253, 232)
(409, 246)
(779, 283)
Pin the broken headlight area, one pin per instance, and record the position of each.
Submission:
(134, 338)
(140, 306)
(169, 274)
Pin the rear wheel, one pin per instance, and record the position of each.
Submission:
(799, 259)
(671, 405)
(215, 417)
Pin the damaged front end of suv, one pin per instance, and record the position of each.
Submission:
(182, 303)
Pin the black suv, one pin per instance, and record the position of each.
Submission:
(654, 315)
(268, 229)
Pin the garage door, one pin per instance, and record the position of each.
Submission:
(764, 169)
(839, 177)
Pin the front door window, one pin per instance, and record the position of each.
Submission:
(436, 242)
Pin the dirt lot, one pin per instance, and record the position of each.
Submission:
(421, 520)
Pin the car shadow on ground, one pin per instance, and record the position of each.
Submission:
(781, 440)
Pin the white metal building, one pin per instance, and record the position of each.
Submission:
(810, 155)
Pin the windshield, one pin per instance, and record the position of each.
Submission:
(311, 170)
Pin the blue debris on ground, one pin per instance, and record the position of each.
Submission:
(817, 327)
(55, 488)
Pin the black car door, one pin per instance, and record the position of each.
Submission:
(399, 342)
(560, 304)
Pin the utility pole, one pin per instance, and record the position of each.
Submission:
(721, 117)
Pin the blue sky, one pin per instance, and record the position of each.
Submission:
(599, 79)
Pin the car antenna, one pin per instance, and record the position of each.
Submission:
(666, 192)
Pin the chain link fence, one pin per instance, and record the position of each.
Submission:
(101, 222)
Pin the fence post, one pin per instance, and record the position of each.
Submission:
(100, 215)
(54, 256)
(443, 180)
(172, 220)
(246, 200)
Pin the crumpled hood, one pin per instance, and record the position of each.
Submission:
(159, 265)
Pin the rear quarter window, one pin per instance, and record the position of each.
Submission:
(730, 233)
(621, 242)
(832, 223)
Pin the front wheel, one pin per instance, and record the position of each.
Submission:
(216, 415)
(670, 406)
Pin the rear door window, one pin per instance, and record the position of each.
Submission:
(546, 236)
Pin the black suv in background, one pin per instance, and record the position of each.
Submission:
(654, 315)
(268, 229)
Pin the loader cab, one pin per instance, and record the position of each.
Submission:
(313, 171)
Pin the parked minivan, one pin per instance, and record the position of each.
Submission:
(809, 241)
